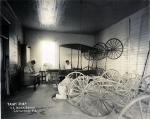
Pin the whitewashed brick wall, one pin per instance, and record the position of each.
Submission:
(136, 44)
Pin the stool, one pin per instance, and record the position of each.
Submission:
(43, 76)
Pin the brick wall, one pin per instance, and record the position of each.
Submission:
(135, 38)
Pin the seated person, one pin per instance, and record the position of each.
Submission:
(67, 65)
(29, 68)
(30, 76)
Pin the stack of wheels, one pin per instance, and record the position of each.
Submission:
(96, 100)
(102, 90)
(138, 108)
(121, 96)
(132, 84)
(121, 91)
(126, 90)
(91, 95)
(114, 75)
(131, 81)
(99, 95)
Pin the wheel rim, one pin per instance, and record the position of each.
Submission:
(74, 75)
(95, 101)
(138, 108)
(126, 90)
(114, 48)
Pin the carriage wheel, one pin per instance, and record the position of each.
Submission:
(114, 48)
(95, 100)
(138, 108)
(130, 82)
(112, 74)
(74, 75)
(126, 90)
(76, 89)
(144, 86)
(121, 96)
(98, 52)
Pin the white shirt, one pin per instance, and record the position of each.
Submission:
(29, 68)
(67, 66)
(65, 82)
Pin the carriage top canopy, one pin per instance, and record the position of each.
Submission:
(83, 48)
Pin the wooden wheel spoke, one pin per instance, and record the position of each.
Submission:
(118, 45)
(106, 105)
(109, 44)
(112, 42)
(75, 90)
(74, 95)
(75, 85)
(141, 113)
(148, 111)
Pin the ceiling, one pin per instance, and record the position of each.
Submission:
(73, 16)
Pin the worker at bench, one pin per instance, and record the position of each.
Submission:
(30, 76)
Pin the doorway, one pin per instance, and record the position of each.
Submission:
(4, 39)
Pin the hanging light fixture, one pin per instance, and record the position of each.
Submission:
(47, 12)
